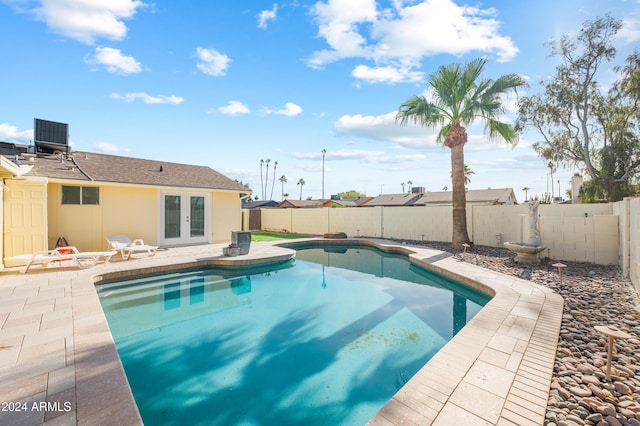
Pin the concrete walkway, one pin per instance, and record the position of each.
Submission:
(59, 365)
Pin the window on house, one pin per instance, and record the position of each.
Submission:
(80, 195)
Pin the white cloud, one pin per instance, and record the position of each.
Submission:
(8, 131)
(338, 22)
(234, 108)
(115, 61)
(84, 20)
(267, 15)
(396, 39)
(386, 74)
(630, 30)
(384, 128)
(212, 62)
(148, 99)
(290, 110)
(107, 147)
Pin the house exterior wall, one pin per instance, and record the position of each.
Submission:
(226, 216)
(129, 210)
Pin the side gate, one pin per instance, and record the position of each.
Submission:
(255, 219)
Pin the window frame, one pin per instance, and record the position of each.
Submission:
(83, 199)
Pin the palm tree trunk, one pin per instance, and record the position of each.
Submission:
(459, 235)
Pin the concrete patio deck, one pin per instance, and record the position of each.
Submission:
(59, 365)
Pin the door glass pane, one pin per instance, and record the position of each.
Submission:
(197, 216)
(172, 216)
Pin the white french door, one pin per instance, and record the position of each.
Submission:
(185, 218)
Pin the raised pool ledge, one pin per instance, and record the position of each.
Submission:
(58, 347)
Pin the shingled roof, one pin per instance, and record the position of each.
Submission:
(94, 167)
(481, 196)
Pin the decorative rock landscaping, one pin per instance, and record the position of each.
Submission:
(594, 295)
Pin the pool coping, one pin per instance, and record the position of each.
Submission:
(496, 370)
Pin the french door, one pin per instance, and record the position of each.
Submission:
(185, 218)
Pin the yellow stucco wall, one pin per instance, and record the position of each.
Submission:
(227, 216)
(132, 211)
(122, 210)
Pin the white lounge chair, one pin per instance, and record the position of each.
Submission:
(127, 247)
(82, 260)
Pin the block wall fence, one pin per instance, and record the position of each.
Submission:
(605, 234)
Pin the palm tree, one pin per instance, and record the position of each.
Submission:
(403, 184)
(283, 180)
(526, 190)
(266, 178)
(445, 188)
(409, 183)
(301, 182)
(467, 175)
(459, 96)
(261, 183)
(275, 165)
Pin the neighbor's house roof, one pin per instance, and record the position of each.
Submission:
(260, 203)
(347, 202)
(392, 200)
(94, 167)
(299, 203)
(341, 203)
(474, 196)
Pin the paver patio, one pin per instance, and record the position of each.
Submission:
(59, 365)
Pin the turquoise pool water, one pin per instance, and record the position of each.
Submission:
(325, 339)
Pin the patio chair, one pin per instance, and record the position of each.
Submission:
(127, 247)
(82, 260)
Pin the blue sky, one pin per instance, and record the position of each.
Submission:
(227, 83)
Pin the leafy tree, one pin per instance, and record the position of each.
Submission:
(301, 182)
(351, 194)
(458, 96)
(583, 125)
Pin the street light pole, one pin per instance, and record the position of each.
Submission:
(324, 152)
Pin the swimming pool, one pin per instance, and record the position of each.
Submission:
(292, 343)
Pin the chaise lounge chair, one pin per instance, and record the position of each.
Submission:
(127, 247)
(82, 260)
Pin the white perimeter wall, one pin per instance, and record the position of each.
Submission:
(605, 234)
(580, 232)
(634, 241)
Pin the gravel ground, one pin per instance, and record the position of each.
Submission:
(594, 295)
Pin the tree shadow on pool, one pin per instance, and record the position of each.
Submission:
(273, 383)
